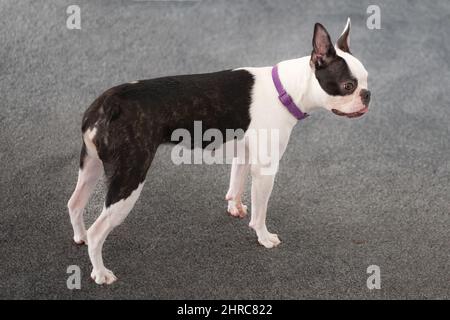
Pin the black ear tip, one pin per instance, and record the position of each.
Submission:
(318, 26)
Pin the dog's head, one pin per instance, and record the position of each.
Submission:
(341, 78)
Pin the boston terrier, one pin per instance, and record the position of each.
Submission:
(123, 128)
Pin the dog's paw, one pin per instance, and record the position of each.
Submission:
(103, 276)
(237, 209)
(80, 240)
(269, 240)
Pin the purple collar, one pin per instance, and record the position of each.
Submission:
(285, 98)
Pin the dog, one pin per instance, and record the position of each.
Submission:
(123, 128)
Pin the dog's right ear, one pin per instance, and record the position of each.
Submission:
(323, 49)
(343, 42)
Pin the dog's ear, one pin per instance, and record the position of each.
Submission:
(344, 41)
(323, 50)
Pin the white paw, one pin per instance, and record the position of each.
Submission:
(237, 209)
(269, 240)
(103, 276)
(80, 240)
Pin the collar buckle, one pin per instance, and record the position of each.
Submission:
(285, 98)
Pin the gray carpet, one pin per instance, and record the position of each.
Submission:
(349, 194)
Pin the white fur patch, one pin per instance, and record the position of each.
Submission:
(356, 67)
(88, 138)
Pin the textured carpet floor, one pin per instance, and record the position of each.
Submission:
(349, 194)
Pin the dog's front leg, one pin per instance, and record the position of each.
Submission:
(239, 172)
(262, 186)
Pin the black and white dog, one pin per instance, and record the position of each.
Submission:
(123, 128)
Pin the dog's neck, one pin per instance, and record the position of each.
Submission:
(300, 82)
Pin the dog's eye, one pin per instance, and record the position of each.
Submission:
(349, 86)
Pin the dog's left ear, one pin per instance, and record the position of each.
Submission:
(323, 49)
(343, 42)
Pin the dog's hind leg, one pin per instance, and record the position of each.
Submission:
(111, 217)
(90, 171)
(125, 175)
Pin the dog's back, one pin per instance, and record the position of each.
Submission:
(157, 107)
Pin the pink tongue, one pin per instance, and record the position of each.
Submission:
(364, 110)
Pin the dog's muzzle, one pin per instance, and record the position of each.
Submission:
(365, 98)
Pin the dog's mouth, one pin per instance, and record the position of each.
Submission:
(357, 114)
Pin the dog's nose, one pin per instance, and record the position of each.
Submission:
(365, 96)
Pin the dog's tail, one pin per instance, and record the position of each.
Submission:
(96, 119)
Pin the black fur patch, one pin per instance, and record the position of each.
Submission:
(132, 120)
(83, 155)
(342, 42)
(334, 75)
